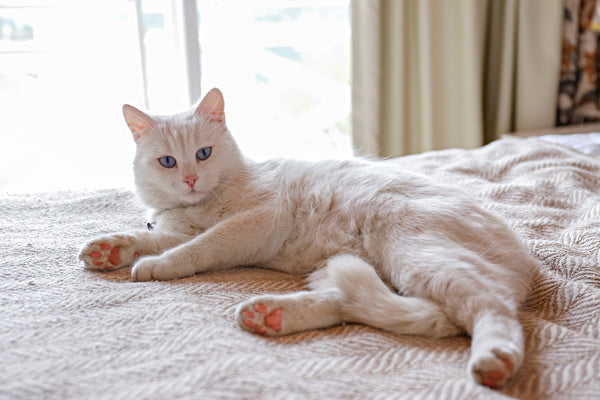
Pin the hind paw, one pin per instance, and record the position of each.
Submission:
(261, 317)
(494, 369)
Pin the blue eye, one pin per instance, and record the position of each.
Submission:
(167, 161)
(203, 153)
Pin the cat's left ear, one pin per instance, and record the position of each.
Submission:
(212, 107)
(138, 121)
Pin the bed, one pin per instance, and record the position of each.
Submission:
(66, 332)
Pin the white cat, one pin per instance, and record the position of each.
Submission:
(380, 246)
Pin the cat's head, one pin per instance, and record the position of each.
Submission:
(181, 158)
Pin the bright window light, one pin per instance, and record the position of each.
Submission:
(66, 68)
(283, 66)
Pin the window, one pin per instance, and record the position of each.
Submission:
(284, 69)
(67, 67)
(65, 70)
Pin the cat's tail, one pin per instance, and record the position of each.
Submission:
(367, 300)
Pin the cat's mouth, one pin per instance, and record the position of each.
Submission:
(195, 194)
(193, 191)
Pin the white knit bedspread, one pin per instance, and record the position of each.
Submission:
(70, 333)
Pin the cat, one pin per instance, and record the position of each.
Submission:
(379, 245)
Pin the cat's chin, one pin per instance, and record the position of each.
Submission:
(194, 196)
(167, 200)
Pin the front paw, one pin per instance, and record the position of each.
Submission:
(109, 252)
(153, 268)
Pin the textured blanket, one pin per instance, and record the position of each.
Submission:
(70, 333)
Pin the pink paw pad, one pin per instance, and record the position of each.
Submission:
(259, 319)
(114, 258)
(496, 378)
(273, 320)
(509, 365)
(105, 259)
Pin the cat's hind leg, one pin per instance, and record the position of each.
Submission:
(497, 349)
(276, 315)
(497, 337)
(484, 299)
(347, 290)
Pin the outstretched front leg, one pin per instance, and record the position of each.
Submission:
(243, 239)
(120, 250)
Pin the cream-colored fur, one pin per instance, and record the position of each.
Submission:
(379, 246)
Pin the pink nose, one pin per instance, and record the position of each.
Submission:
(190, 180)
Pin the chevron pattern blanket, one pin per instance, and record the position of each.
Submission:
(70, 333)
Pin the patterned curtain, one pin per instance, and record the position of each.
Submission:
(579, 88)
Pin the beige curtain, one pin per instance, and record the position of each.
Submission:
(434, 74)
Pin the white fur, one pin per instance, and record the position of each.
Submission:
(367, 300)
(448, 265)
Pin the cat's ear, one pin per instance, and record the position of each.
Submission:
(139, 122)
(212, 107)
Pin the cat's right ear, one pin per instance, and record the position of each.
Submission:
(212, 107)
(139, 122)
